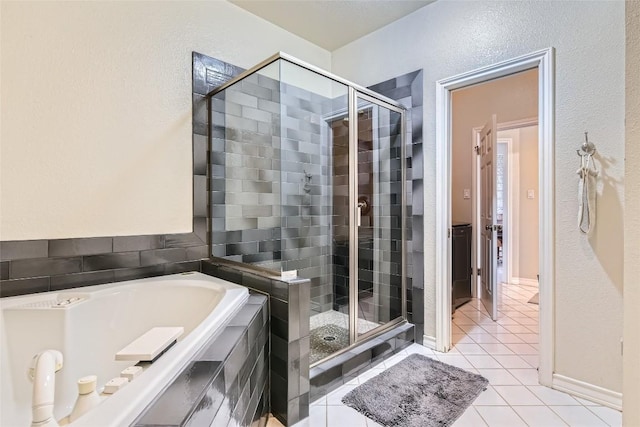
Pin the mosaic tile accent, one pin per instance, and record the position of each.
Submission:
(326, 340)
(227, 383)
(333, 317)
(335, 372)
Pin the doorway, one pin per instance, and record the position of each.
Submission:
(542, 61)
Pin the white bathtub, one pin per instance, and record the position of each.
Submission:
(91, 332)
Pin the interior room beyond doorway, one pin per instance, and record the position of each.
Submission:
(513, 336)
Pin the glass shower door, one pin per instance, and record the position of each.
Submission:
(307, 179)
(379, 215)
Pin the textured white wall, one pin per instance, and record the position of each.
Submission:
(96, 110)
(525, 213)
(447, 38)
(528, 265)
(512, 241)
(631, 393)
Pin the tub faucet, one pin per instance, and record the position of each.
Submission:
(44, 366)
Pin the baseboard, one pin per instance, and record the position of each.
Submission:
(429, 342)
(587, 391)
(524, 282)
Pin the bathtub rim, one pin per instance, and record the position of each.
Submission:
(191, 276)
(126, 405)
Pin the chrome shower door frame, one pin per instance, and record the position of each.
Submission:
(354, 95)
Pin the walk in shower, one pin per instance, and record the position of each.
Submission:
(307, 179)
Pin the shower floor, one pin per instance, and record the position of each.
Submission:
(330, 333)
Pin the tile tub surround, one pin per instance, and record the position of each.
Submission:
(290, 346)
(227, 382)
(33, 266)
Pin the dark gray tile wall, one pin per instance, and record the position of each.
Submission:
(408, 89)
(380, 233)
(311, 203)
(307, 189)
(53, 265)
(245, 188)
(290, 346)
(226, 383)
(270, 188)
(340, 215)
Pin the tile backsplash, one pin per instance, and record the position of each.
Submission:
(50, 265)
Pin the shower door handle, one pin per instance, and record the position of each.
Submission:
(361, 205)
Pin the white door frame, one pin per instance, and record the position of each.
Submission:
(507, 218)
(544, 61)
(511, 240)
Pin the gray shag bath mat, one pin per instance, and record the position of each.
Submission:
(535, 299)
(326, 340)
(417, 392)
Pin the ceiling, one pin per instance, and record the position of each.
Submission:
(331, 24)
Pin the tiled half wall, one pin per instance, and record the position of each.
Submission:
(226, 383)
(290, 342)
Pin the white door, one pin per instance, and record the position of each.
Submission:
(488, 227)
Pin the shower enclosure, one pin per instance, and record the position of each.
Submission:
(307, 179)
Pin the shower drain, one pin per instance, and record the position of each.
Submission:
(329, 338)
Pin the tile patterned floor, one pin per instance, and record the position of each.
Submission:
(332, 317)
(506, 353)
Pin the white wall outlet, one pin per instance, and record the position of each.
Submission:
(531, 194)
(466, 193)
